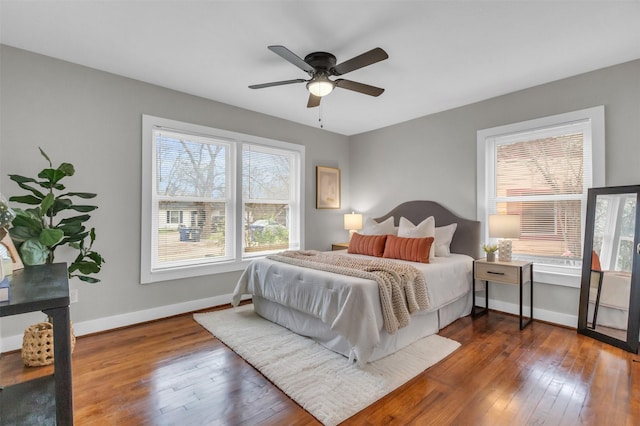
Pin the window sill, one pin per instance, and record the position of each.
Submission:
(148, 277)
(566, 277)
(190, 271)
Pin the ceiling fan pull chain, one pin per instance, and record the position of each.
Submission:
(320, 117)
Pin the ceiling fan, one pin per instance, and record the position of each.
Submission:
(320, 66)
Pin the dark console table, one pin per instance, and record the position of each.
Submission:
(46, 400)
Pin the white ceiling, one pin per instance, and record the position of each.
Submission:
(441, 54)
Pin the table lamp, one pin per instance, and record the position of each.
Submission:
(352, 223)
(504, 226)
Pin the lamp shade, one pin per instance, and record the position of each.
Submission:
(504, 226)
(352, 221)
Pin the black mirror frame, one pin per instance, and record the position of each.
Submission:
(633, 325)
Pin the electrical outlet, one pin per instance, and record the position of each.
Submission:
(73, 295)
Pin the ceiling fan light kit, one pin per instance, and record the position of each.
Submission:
(320, 85)
(320, 66)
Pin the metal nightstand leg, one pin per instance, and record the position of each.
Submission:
(524, 324)
(474, 311)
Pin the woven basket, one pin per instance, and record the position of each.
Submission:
(37, 344)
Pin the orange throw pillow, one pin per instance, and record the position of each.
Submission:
(595, 261)
(412, 249)
(371, 245)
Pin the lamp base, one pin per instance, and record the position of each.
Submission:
(351, 232)
(504, 251)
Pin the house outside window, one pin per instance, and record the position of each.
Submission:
(541, 170)
(213, 199)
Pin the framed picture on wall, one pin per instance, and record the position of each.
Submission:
(327, 188)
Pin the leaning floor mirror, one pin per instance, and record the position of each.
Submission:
(610, 287)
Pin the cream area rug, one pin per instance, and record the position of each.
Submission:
(323, 382)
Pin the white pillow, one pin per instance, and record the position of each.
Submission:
(444, 235)
(371, 227)
(425, 229)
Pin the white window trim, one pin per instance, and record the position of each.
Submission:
(558, 275)
(240, 262)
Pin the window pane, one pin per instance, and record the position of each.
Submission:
(628, 225)
(548, 228)
(624, 259)
(267, 196)
(200, 234)
(600, 224)
(266, 174)
(267, 227)
(549, 166)
(547, 171)
(173, 217)
(190, 166)
(538, 218)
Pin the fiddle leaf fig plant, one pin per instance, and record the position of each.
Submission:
(39, 230)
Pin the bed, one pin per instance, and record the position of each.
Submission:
(344, 313)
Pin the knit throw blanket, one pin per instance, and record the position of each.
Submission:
(402, 287)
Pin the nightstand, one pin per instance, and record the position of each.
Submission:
(339, 246)
(515, 272)
(48, 399)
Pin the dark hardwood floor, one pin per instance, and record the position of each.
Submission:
(173, 372)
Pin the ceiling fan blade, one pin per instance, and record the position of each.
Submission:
(367, 58)
(359, 87)
(276, 83)
(314, 101)
(293, 58)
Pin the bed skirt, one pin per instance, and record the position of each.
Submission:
(422, 324)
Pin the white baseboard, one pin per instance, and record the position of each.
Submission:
(540, 314)
(11, 343)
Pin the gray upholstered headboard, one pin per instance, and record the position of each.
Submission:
(466, 239)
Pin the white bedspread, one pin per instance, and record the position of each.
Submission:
(350, 305)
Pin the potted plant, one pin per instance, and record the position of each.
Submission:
(52, 221)
(38, 231)
(490, 250)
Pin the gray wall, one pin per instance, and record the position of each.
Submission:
(434, 157)
(92, 119)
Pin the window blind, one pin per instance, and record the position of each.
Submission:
(543, 176)
(268, 198)
(190, 199)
